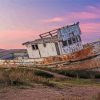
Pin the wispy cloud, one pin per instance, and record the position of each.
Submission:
(90, 13)
(73, 16)
(90, 31)
(83, 15)
(53, 20)
(94, 8)
(90, 28)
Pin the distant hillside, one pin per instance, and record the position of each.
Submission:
(2, 50)
(9, 54)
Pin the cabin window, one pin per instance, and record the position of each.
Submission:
(74, 40)
(44, 44)
(34, 47)
(78, 38)
(69, 41)
(64, 43)
(71, 34)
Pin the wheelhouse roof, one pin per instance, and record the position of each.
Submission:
(48, 37)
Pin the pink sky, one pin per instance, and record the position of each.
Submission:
(23, 21)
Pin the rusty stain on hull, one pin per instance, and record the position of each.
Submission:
(85, 65)
(82, 54)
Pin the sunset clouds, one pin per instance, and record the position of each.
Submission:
(23, 20)
(90, 13)
(73, 16)
(53, 20)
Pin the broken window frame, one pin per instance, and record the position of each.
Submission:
(78, 38)
(65, 43)
(44, 44)
(71, 34)
(74, 39)
(70, 41)
(35, 47)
